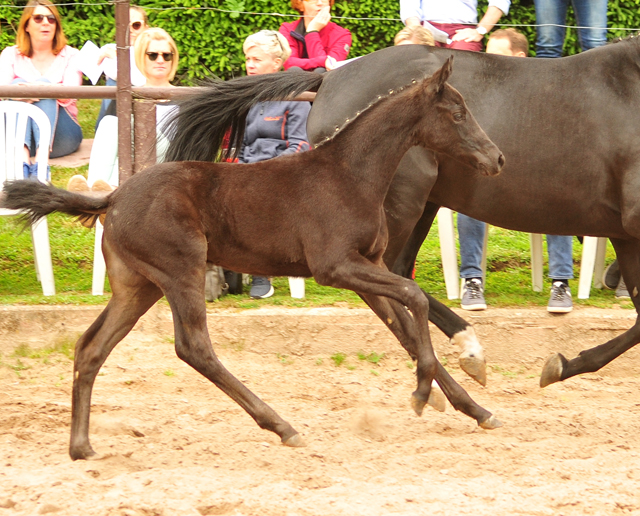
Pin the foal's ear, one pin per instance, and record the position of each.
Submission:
(437, 80)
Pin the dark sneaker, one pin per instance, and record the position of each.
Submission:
(261, 288)
(473, 295)
(611, 276)
(621, 291)
(560, 301)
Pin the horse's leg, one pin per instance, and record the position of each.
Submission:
(132, 296)
(399, 321)
(558, 368)
(459, 331)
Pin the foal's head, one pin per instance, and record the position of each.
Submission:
(448, 127)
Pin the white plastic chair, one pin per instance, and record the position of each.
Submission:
(13, 127)
(593, 257)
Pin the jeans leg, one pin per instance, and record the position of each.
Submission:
(550, 38)
(560, 249)
(591, 13)
(105, 103)
(67, 135)
(471, 235)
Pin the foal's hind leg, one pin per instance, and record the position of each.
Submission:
(132, 296)
(459, 331)
(401, 324)
(558, 368)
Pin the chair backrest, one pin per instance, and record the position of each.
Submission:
(14, 116)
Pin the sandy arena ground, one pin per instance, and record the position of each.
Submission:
(173, 444)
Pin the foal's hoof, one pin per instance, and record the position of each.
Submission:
(83, 454)
(437, 399)
(295, 441)
(475, 367)
(552, 370)
(491, 424)
(418, 404)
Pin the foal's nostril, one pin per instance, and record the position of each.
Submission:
(501, 160)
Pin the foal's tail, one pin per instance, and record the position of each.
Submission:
(197, 130)
(38, 199)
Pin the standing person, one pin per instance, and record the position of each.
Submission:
(457, 18)
(138, 23)
(41, 55)
(551, 15)
(272, 128)
(510, 42)
(316, 42)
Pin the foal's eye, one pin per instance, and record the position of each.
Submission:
(458, 117)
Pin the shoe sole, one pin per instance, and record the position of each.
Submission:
(559, 309)
(476, 307)
(265, 296)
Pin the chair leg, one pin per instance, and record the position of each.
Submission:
(42, 256)
(593, 251)
(536, 261)
(296, 287)
(598, 268)
(448, 251)
(99, 265)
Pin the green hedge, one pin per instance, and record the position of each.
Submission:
(210, 41)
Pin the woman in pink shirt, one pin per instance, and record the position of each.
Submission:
(41, 54)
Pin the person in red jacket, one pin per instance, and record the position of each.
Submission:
(316, 42)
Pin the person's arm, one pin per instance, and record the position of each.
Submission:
(7, 61)
(296, 128)
(339, 48)
(294, 59)
(487, 22)
(410, 12)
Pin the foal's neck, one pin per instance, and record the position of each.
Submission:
(371, 145)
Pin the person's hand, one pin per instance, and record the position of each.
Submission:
(109, 52)
(468, 35)
(320, 20)
(330, 63)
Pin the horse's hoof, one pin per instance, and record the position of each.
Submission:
(417, 404)
(491, 424)
(552, 370)
(295, 441)
(84, 454)
(437, 400)
(475, 367)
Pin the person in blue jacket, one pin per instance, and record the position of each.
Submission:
(272, 128)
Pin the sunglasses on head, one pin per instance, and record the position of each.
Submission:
(39, 18)
(136, 25)
(167, 56)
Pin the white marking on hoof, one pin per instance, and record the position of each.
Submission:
(471, 358)
(491, 424)
(437, 399)
(295, 441)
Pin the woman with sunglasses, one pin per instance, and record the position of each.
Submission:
(156, 56)
(138, 23)
(41, 55)
(316, 42)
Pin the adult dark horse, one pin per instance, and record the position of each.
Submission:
(324, 218)
(568, 128)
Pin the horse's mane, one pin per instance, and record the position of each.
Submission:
(216, 114)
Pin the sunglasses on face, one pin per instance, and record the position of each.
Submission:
(39, 18)
(136, 25)
(167, 56)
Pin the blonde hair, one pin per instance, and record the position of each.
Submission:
(23, 39)
(417, 34)
(142, 43)
(517, 40)
(271, 41)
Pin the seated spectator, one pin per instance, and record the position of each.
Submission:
(41, 56)
(156, 55)
(272, 128)
(510, 42)
(415, 35)
(316, 42)
(138, 23)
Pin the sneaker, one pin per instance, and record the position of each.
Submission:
(621, 291)
(473, 295)
(611, 276)
(78, 183)
(261, 288)
(560, 301)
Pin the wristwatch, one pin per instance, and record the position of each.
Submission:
(481, 30)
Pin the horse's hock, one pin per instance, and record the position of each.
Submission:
(514, 339)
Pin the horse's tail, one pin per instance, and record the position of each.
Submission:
(198, 128)
(38, 200)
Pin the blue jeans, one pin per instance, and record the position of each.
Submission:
(65, 131)
(471, 235)
(105, 103)
(589, 13)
